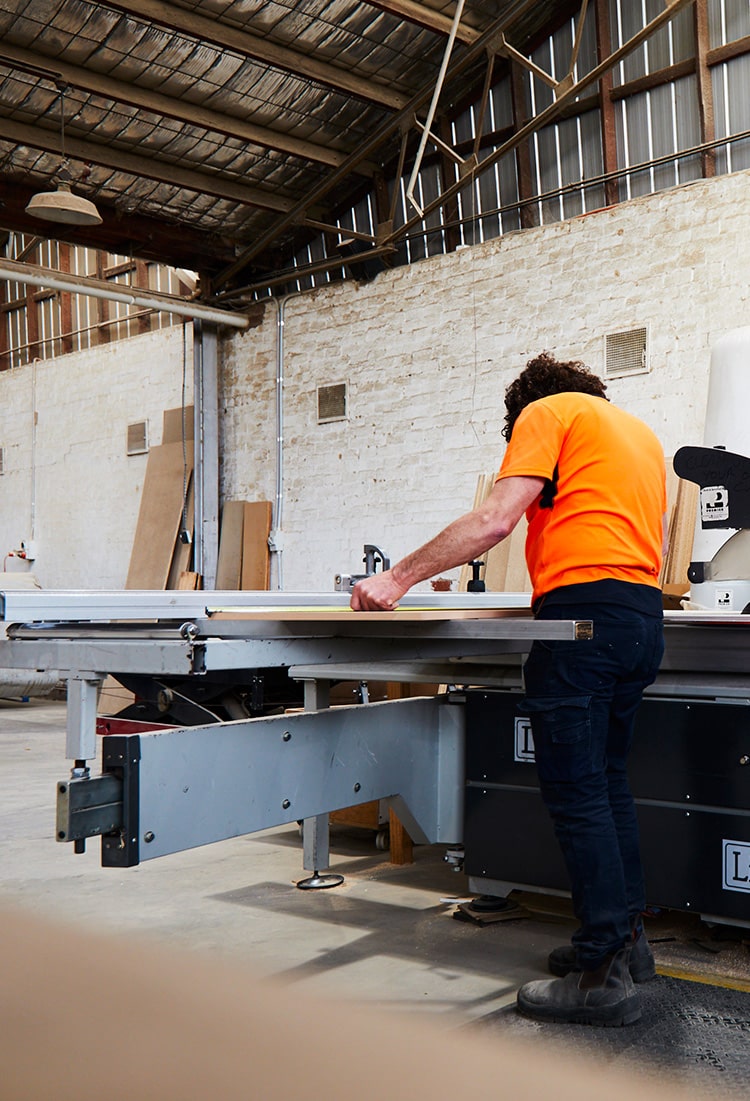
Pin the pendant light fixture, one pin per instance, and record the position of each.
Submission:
(62, 205)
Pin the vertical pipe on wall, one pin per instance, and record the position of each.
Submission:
(32, 505)
(276, 538)
(275, 543)
(206, 464)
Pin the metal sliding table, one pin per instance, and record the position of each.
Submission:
(172, 789)
(166, 790)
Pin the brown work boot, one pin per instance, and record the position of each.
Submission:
(605, 996)
(562, 960)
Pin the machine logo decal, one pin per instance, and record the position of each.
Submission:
(524, 741)
(714, 503)
(736, 866)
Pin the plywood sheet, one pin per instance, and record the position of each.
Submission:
(175, 425)
(283, 614)
(229, 564)
(256, 560)
(682, 508)
(681, 534)
(516, 575)
(159, 516)
(189, 581)
(183, 552)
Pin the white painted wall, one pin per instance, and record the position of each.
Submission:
(427, 352)
(68, 481)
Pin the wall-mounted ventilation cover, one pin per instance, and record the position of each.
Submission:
(332, 402)
(138, 438)
(626, 353)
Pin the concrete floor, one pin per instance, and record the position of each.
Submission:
(386, 936)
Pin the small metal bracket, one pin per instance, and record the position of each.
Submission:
(88, 807)
(121, 756)
(467, 166)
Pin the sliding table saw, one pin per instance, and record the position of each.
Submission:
(457, 767)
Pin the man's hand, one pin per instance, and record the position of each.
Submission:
(378, 593)
(462, 541)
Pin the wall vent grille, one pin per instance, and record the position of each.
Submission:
(138, 438)
(332, 403)
(626, 353)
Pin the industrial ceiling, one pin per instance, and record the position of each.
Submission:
(221, 135)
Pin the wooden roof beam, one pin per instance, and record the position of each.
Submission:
(148, 167)
(167, 106)
(122, 234)
(203, 29)
(422, 16)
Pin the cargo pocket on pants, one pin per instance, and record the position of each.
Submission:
(561, 726)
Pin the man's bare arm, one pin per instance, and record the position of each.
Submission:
(463, 540)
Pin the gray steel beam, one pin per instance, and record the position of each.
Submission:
(206, 784)
(80, 742)
(33, 275)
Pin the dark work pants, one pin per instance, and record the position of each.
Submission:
(581, 698)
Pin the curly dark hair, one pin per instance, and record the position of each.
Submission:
(543, 376)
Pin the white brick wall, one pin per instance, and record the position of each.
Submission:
(85, 491)
(427, 352)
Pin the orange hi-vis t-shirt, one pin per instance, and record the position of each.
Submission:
(606, 488)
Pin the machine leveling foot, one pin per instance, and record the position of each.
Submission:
(316, 882)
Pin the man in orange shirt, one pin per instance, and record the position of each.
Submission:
(591, 481)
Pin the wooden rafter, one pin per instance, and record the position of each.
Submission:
(549, 114)
(183, 110)
(423, 16)
(150, 168)
(403, 119)
(205, 29)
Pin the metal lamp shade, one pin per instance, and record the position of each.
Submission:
(63, 206)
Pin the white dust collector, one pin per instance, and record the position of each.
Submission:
(720, 568)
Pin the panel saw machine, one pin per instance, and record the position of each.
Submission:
(167, 789)
(457, 768)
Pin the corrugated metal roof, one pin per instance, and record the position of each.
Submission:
(196, 127)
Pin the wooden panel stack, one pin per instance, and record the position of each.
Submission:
(244, 560)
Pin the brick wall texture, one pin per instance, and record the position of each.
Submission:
(426, 352)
